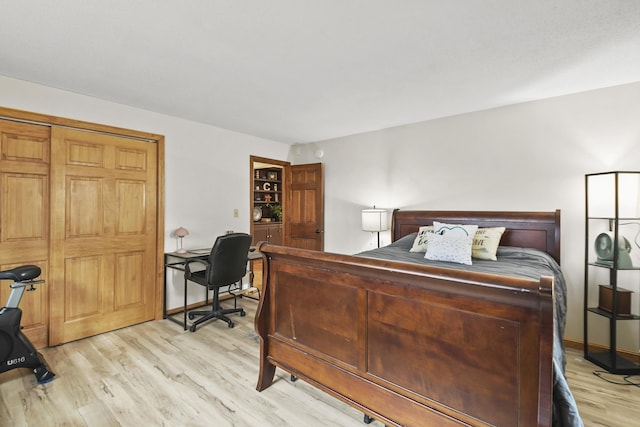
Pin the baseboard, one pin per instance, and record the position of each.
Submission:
(579, 345)
(574, 344)
(200, 304)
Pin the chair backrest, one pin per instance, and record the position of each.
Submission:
(228, 259)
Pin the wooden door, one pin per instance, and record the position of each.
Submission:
(24, 217)
(103, 237)
(304, 216)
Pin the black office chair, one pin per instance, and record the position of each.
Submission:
(225, 266)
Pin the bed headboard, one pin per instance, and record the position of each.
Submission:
(539, 230)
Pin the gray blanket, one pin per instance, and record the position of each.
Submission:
(514, 262)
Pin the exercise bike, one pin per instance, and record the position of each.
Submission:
(16, 351)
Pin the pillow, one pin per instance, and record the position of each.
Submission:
(420, 242)
(405, 242)
(450, 242)
(455, 229)
(448, 247)
(485, 243)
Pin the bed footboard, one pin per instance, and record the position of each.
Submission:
(409, 344)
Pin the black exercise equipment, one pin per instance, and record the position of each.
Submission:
(16, 351)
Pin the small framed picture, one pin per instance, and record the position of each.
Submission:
(272, 176)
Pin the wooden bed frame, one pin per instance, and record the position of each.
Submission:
(414, 345)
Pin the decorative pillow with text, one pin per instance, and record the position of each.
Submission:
(420, 243)
(486, 242)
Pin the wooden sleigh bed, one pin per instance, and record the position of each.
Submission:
(411, 344)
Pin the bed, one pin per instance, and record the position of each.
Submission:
(415, 344)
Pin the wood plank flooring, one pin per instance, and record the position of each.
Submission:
(602, 403)
(155, 374)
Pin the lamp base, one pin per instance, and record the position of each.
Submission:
(181, 251)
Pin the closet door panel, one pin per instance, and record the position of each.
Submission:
(130, 212)
(103, 236)
(84, 288)
(84, 210)
(24, 208)
(24, 217)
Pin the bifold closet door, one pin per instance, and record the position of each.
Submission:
(24, 217)
(103, 237)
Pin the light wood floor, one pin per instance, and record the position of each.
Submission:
(602, 403)
(155, 374)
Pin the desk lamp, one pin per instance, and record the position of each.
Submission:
(180, 233)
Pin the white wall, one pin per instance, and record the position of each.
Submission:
(530, 156)
(206, 168)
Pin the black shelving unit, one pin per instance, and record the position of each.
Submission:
(611, 277)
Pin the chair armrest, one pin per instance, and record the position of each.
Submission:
(187, 268)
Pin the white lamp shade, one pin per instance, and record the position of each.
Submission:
(375, 220)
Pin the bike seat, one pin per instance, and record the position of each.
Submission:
(20, 274)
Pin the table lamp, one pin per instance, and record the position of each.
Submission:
(181, 232)
(375, 220)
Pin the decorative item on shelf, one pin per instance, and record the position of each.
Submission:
(266, 186)
(605, 300)
(267, 198)
(257, 214)
(272, 176)
(604, 249)
(276, 211)
(375, 220)
(257, 174)
(180, 233)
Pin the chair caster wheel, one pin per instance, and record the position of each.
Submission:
(367, 419)
(243, 313)
(192, 328)
(231, 325)
(191, 316)
(294, 378)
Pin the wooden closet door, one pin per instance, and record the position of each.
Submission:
(103, 237)
(24, 217)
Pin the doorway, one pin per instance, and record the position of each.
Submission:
(267, 202)
(287, 202)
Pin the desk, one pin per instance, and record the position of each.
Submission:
(177, 261)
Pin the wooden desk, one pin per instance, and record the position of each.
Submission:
(177, 261)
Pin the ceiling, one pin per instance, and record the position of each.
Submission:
(308, 70)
